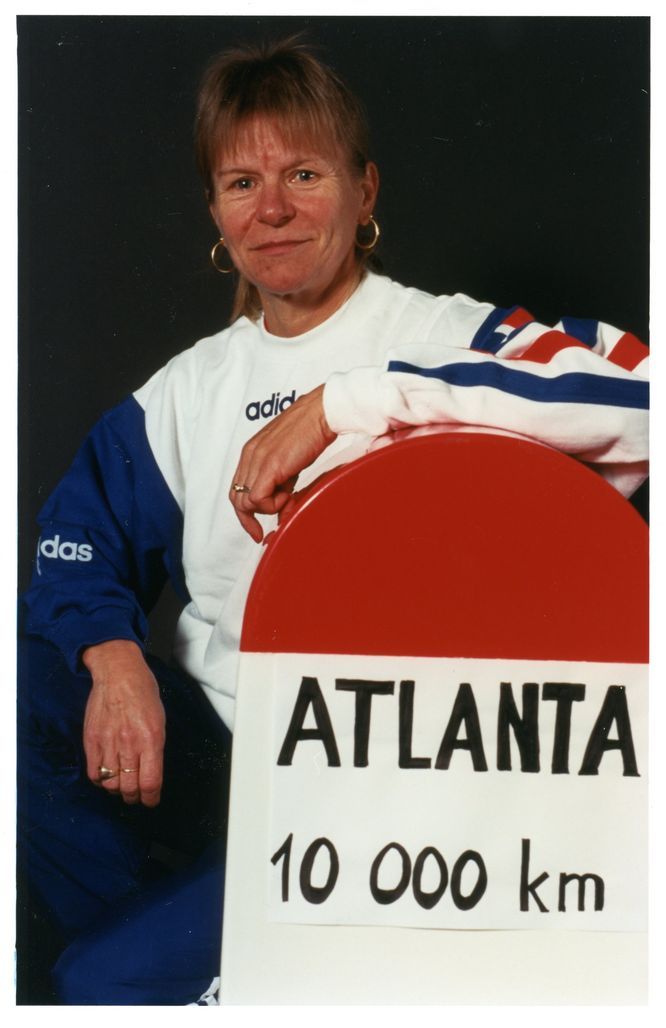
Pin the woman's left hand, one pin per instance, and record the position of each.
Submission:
(271, 460)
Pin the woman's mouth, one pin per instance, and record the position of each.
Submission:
(278, 247)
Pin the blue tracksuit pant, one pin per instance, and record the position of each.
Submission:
(134, 932)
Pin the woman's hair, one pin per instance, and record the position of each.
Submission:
(281, 80)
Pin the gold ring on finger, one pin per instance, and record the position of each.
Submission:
(129, 770)
(238, 488)
(105, 773)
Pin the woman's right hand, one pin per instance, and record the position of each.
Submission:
(271, 460)
(124, 726)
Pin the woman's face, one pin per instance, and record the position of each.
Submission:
(289, 214)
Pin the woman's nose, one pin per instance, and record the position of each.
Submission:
(275, 206)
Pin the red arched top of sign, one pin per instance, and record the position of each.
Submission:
(456, 545)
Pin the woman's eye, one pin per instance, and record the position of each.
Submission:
(305, 175)
(242, 184)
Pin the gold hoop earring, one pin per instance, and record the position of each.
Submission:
(375, 239)
(213, 257)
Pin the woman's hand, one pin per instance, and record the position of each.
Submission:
(124, 727)
(271, 460)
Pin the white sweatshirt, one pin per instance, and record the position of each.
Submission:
(391, 356)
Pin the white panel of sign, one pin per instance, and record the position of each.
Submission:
(502, 803)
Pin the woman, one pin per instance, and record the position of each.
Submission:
(319, 348)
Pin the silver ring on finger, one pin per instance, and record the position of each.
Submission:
(238, 488)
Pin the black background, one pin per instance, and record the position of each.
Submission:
(514, 161)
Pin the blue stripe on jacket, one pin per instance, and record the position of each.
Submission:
(582, 329)
(485, 337)
(572, 387)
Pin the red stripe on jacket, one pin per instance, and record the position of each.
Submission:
(547, 345)
(628, 352)
(518, 318)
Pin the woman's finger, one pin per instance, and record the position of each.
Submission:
(128, 778)
(250, 524)
(150, 778)
(107, 773)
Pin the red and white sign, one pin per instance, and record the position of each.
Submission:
(441, 723)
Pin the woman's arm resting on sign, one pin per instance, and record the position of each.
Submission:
(272, 459)
(124, 723)
(546, 385)
(576, 401)
(580, 387)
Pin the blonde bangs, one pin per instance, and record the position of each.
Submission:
(306, 133)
